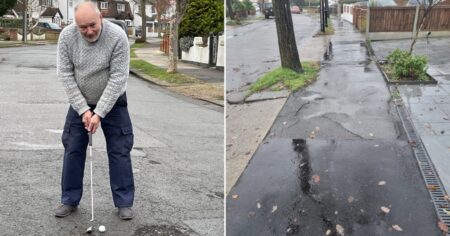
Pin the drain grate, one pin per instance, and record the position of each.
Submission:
(434, 184)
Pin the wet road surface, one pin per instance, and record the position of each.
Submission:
(252, 50)
(320, 166)
(306, 187)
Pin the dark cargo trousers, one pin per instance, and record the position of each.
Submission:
(119, 136)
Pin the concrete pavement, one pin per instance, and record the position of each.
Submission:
(428, 105)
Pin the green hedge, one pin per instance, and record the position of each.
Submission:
(11, 23)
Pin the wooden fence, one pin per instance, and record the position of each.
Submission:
(401, 19)
(164, 46)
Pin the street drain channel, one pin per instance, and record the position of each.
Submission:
(434, 184)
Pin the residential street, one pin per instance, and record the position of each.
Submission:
(252, 49)
(177, 157)
(336, 159)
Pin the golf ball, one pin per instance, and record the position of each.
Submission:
(102, 228)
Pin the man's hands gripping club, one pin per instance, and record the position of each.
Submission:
(91, 121)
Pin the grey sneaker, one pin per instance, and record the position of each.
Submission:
(125, 213)
(64, 210)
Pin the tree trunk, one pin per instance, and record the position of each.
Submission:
(422, 21)
(230, 9)
(144, 22)
(286, 38)
(173, 47)
(173, 43)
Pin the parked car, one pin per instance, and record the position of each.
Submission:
(268, 10)
(49, 26)
(296, 10)
(138, 31)
(120, 23)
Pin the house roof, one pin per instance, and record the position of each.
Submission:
(51, 11)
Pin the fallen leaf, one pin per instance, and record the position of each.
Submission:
(340, 229)
(370, 134)
(350, 199)
(284, 123)
(413, 143)
(376, 145)
(381, 183)
(432, 187)
(274, 208)
(336, 212)
(385, 210)
(443, 227)
(328, 232)
(446, 211)
(397, 228)
(317, 128)
(235, 196)
(312, 135)
(316, 178)
(446, 197)
(258, 205)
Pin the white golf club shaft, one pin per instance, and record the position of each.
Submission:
(92, 188)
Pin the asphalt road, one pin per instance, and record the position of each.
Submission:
(177, 157)
(252, 49)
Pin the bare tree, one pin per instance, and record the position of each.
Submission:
(181, 6)
(427, 6)
(161, 8)
(286, 38)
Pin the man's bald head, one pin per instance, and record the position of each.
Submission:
(89, 20)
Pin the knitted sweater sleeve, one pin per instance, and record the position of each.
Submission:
(65, 71)
(118, 76)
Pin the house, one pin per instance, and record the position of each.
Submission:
(51, 15)
(118, 10)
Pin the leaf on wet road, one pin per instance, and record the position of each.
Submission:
(446, 197)
(235, 196)
(381, 183)
(340, 229)
(397, 228)
(328, 232)
(446, 211)
(258, 205)
(312, 135)
(317, 128)
(413, 143)
(350, 199)
(385, 210)
(432, 187)
(274, 208)
(316, 178)
(443, 227)
(284, 123)
(371, 134)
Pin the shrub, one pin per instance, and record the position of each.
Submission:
(408, 66)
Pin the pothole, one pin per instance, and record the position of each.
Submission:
(160, 230)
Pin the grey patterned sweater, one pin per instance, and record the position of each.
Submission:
(93, 73)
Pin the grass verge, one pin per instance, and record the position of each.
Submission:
(329, 30)
(161, 74)
(132, 53)
(139, 45)
(281, 78)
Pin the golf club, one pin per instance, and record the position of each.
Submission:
(89, 230)
(92, 189)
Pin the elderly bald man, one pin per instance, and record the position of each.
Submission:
(93, 65)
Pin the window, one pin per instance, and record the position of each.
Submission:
(46, 3)
(103, 5)
(120, 7)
